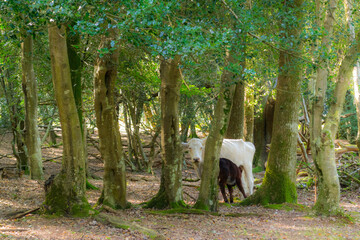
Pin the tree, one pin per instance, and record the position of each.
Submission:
(105, 74)
(67, 192)
(29, 85)
(170, 192)
(208, 196)
(279, 183)
(323, 149)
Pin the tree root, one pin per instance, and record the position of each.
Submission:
(119, 223)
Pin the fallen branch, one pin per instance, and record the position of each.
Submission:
(13, 230)
(352, 177)
(19, 215)
(191, 180)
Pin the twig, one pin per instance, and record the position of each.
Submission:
(187, 194)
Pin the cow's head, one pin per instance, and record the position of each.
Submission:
(196, 149)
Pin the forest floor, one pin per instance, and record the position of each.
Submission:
(18, 194)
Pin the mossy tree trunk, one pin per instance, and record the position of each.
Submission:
(279, 181)
(321, 140)
(105, 73)
(208, 196)
(170, 193)
(67, 192)
(328, 194)
(73, 43)
(29, 86)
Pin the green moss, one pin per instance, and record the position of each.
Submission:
(201, 206)
(276, 189)
(59, 204)
(177, 211)
(178, 205)
(158, 202)
(90, 186)
(288, 207)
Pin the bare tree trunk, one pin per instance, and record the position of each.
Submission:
(66, 194)
(279, 182)
(208, 196)
(170, 193)
(32, 137)
(105, 73)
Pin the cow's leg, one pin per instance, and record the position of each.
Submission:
(222, 189)
(239, 184)
(247, 180)
(231, 193)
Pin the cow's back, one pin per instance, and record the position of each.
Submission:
(238, 151)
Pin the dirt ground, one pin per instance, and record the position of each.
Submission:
(232, 222)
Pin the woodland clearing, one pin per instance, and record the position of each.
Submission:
(19, 194)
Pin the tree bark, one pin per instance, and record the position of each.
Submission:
(279, 181)
(105, 73)
(235, 129)
(208, 196)
(66, 194)
(328, 197)
(29, 86)
(170, 193)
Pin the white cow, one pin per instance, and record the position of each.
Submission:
(237, 150)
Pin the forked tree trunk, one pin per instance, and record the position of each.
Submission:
(32, 137)
(322, 148)
(208, 196)
(328, 197)
(66, 194)
(105, 73)
(170, 193)
(279, 182)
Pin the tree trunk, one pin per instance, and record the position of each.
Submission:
(32, 137)
(208, 196)
(328, 198)
(279, 182)
(235, 129)
(170, 193)
(249, 115)
(66, 194)
(73, 40)
(263, 130)
(105, 73)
